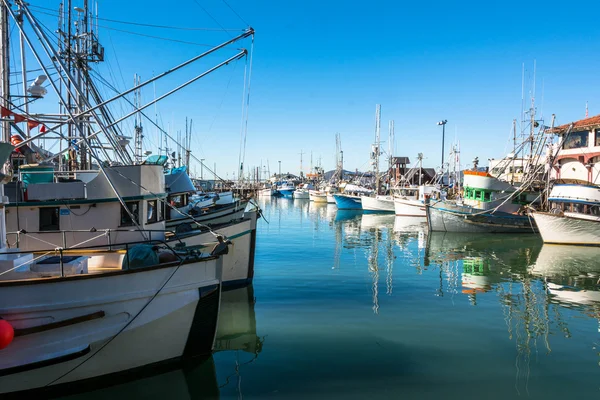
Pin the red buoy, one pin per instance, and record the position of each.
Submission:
(7, 333)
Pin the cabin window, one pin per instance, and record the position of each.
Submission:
(49, 219)
(576, 140)
(487, 196)
(178, 200)
(152, 211)
(134, 209)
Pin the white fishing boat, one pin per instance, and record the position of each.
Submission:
(574, 216)
(573, 212)
(488, 205)
(79, 314)
(410, 201)
(379, 203)
(318, 196)
(265, 192)
(301, 193)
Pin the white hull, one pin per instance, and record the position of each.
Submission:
(409, 208)
(132, 326)
(301, 194)
(238, 263)
(567, 230)
(330, 199)
(265, 192)
(378, 204)
(317, 197)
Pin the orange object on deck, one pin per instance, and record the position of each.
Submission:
(477, 173)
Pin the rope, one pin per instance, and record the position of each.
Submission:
(123, 328)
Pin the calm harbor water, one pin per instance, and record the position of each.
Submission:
(351, 306)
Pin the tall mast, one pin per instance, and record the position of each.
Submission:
(4, 71)
(375, 153)
(390, 151)
(138, 129)
(512, 175)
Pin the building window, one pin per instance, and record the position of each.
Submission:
(134, 209)
(49, 219)
(576, 140)
(152, 211)
(597, 137)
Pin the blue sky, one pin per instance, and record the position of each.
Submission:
(320, 67)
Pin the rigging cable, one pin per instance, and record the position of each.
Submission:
(238, 15)
(213, 18)
(55, 13)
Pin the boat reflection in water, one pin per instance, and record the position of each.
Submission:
(197, 379)
(481, 260)
(571, 274)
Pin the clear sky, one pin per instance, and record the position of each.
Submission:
(320, 67)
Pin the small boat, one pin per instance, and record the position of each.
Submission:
(318, 196)
(265, 192)
(286, 189)
(348, 202)
(410, 201)
(379, 203)
(301, 193)
(574, 216)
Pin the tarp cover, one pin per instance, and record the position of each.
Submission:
(140, 256)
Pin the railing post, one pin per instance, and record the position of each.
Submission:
(62, 266)
(64, 239)
(109, 241)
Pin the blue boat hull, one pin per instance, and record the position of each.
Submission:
(287, 192)
(345, 202)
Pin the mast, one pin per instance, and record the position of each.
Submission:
(390, 151)
(4, 71)
(512, 175)
(301, 171)
(375, 152)
(138, 129)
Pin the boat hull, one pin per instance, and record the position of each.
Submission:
(450, 220)
(346, 202)
(123, 324)
(238, 263)
(286, 192)
(409, 208)
(301, 194)
(330, 199)
(379, 204)
(317, 197)
(265, 192)
(558, 229)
